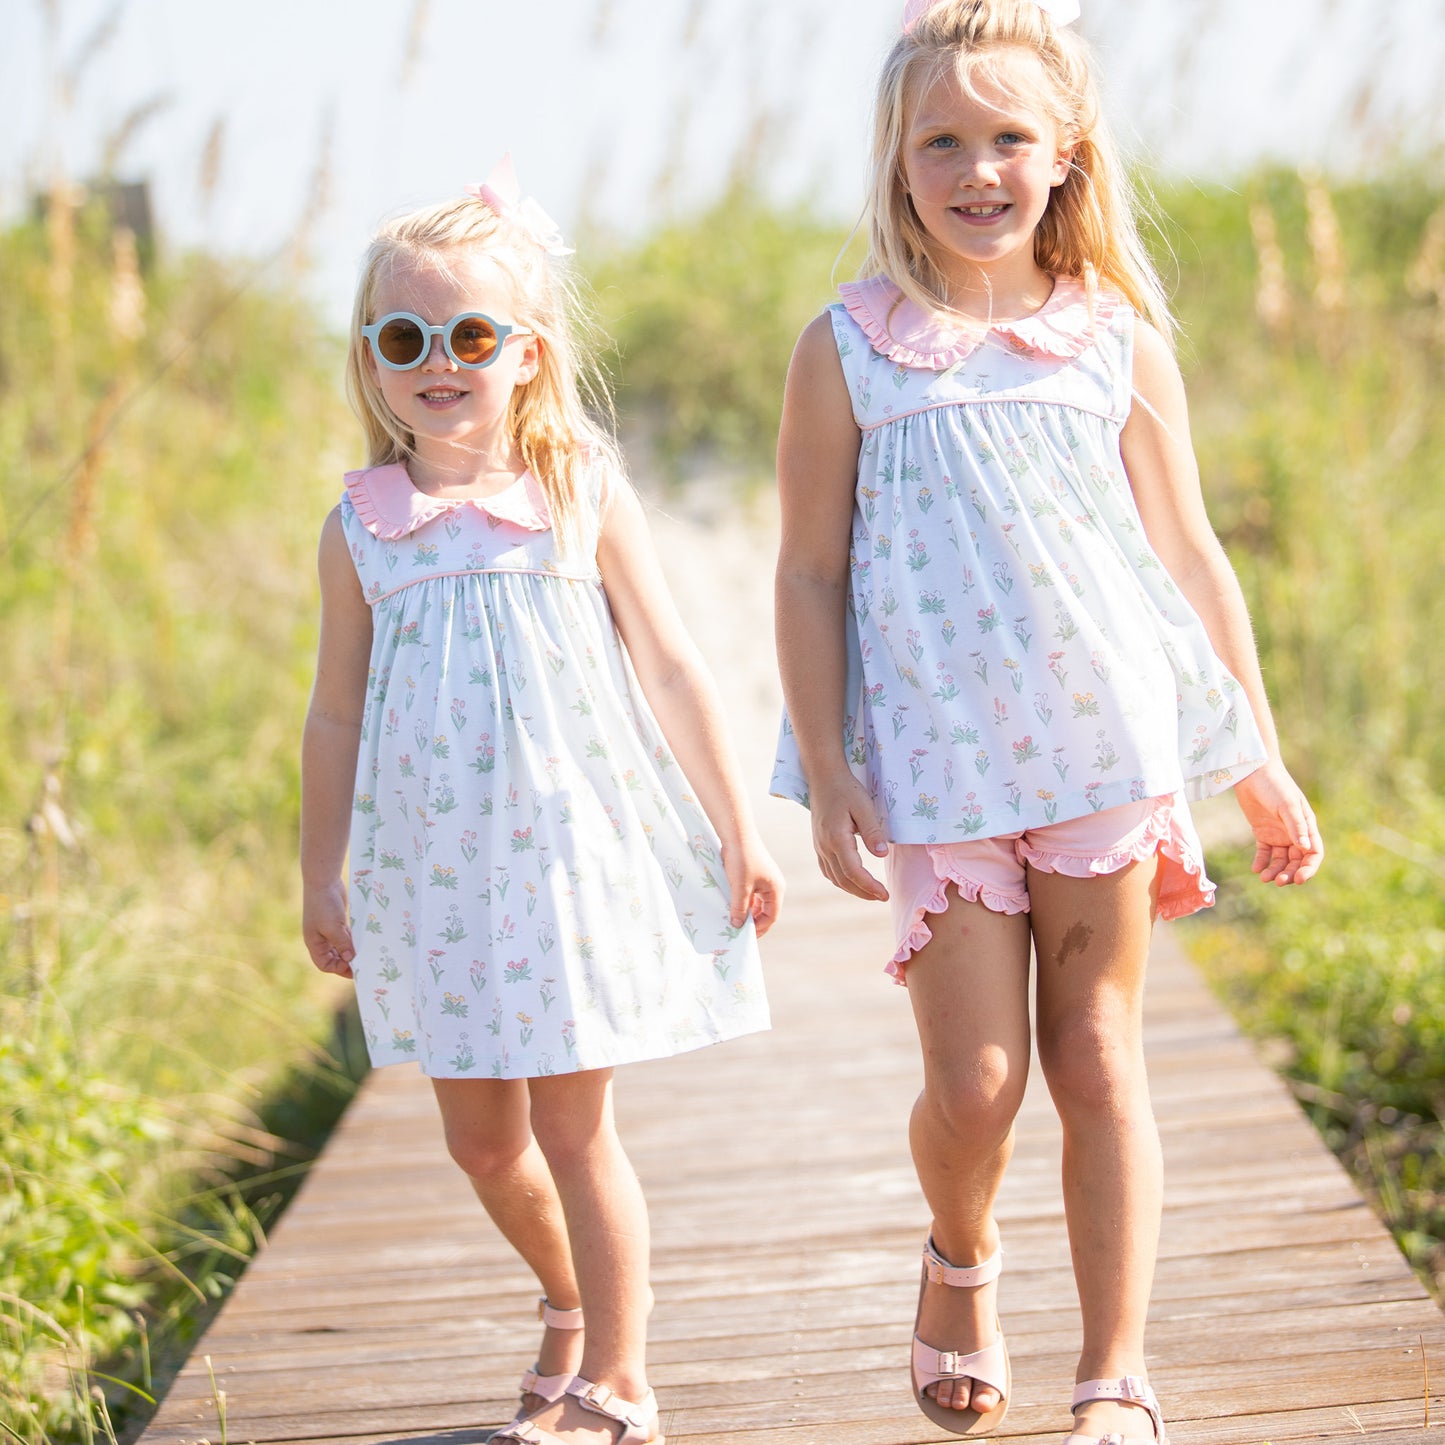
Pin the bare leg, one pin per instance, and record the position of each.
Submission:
(488, 1133)
(969, 990)
(607, 1223)
(1092, 939)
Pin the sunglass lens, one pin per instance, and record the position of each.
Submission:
(473, 341)
(401, 343)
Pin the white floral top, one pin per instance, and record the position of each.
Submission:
(1017, 655)
(534, 887)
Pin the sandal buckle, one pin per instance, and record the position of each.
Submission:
(600, 1397)
(948, 1364)
(1134, 1388)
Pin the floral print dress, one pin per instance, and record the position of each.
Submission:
(1017, 654)
(534, 887)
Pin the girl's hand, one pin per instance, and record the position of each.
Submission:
(756, 883)
(326, 931)
(1288, 846)
(843, 812)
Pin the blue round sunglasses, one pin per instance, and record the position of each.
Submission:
(401, 340)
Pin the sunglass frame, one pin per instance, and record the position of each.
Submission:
(503, 332)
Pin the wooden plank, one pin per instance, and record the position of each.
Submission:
(786, 1227)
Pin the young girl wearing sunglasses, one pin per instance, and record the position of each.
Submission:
(552, 867)
(1011, 647)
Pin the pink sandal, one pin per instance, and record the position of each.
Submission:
(1133, 1391)
(988, 1366)
(639, 1421)
(548, 1388)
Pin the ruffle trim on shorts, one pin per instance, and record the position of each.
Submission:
(1183, 887)
(969, 890)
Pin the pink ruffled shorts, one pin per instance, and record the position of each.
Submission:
(993, 871)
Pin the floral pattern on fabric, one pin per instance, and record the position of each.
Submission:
(1016, 653)
(534, 887)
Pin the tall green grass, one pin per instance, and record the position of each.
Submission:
(168, 446)
(169, 443)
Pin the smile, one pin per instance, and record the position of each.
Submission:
(440, 395)
(981, 213)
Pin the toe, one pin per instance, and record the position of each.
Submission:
(985, 1397)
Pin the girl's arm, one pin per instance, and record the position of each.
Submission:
(1164, 475)
(328, 752)
(817, 473)
(681, 694)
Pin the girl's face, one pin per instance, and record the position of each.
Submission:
(446, 407)
(981, 171)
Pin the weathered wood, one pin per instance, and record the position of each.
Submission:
(786, 1228)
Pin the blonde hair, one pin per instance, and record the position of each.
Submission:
(562, 418)
(1089, 230)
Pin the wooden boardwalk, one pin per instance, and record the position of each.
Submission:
(787, 1223)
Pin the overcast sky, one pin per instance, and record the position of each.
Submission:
(626, 111)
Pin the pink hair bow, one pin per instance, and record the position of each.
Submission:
(502, 195)
(1064, 12)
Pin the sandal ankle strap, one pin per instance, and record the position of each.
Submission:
(939, 1271)
(556, 1319)
(1130, 1390)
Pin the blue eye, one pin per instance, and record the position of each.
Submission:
(1012, 138)
(942, 142)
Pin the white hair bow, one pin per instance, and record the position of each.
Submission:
(1064, 12)
(502, 195)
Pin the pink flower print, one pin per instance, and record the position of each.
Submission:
(915, 762)
(1026, 750)
(379, 995)
(1056, 666)
(1101, 668)
(569, 1036)
(478, 974)
(662, 757)
(613, 819)
(875, 695)
(1000, 712)
(459, 713)
(915, 648)
(972, 818)
(517, 971)
(1202, 743)
(918, 557)
(1091, 795)
(522, 840)
(988, 618)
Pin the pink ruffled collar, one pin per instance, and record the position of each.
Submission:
(390, 506)
(1064, 326)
